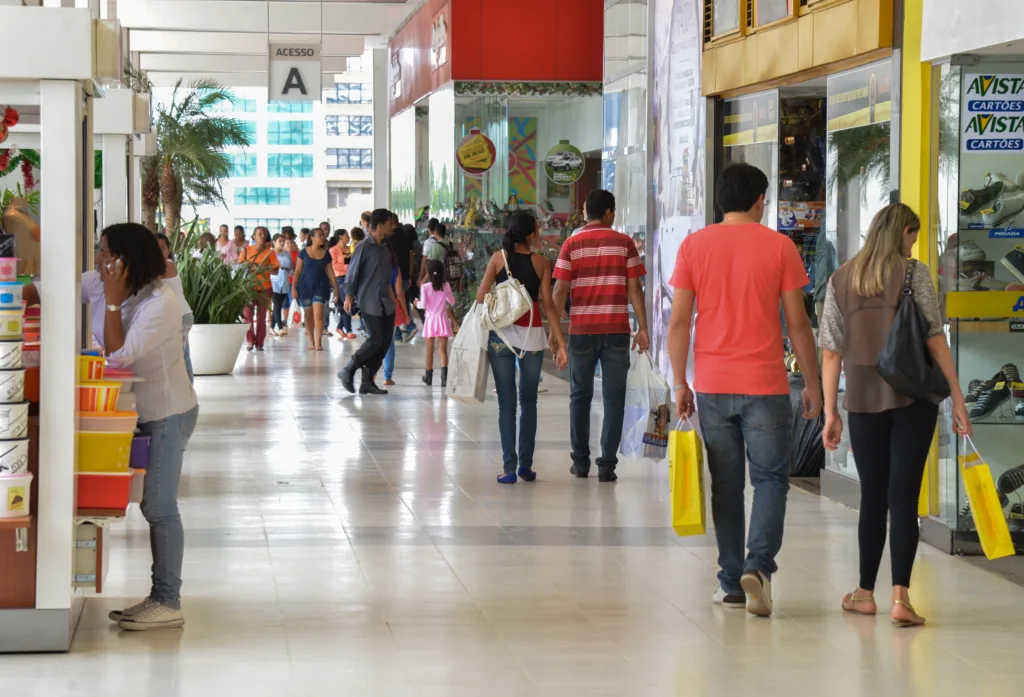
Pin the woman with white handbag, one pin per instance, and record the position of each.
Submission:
(515, 287)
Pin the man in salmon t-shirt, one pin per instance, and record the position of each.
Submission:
(737, 273)
(600, 270)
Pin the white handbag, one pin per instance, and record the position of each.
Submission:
(505, 304)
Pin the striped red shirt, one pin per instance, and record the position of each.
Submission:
(597, 261)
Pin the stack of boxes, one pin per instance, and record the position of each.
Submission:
(15, 477)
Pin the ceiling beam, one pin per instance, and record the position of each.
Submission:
(237, 43)
(221, 63)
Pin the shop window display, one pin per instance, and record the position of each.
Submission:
(980, 248)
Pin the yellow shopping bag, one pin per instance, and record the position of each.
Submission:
(993, 532)
(686, 479)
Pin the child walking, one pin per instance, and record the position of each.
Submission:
(437, 301)
(281, 286)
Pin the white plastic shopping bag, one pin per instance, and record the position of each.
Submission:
(467, 360)
(646, 421)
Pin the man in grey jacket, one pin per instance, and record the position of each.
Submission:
(368, 282)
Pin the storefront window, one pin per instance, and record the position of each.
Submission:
(751, 135)
(858, 180)
(768, 11)
(981, 209)
(725, 16)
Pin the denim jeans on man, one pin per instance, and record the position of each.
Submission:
(503, 365)
(737, 427)
(389, 358)
(168, 439)
(585, 350)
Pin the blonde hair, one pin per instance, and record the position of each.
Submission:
(883, 248)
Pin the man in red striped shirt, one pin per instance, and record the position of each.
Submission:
(599, 270)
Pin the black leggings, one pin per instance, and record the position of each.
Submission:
(891, 451)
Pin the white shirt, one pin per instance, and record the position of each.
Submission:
(174, 283)
(152, 346)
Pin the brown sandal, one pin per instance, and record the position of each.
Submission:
(917, 620)
(850, 601)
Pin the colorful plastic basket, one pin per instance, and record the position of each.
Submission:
(99, 396)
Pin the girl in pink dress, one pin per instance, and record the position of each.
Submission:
(437, 301)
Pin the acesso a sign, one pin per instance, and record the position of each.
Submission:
(295, 73)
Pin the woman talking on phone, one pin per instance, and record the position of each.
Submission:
(136, 319)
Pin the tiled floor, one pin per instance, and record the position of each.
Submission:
(361, 547)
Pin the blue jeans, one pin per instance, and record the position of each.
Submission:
(736, 428)
(389, 361)
(503, 365)
(168, 440)
(585, 350)
(186, 326)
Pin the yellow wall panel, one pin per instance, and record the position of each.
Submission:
(805, 45)
(835, 33)
(778, 52)
(750, 55)
(707, 71)
(730, 66)
(874, 24)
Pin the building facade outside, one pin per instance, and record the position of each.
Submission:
(308, 161)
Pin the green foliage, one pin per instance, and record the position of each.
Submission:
(191, 138)
(216, 292)
(135, 79)
(97, 169)
(31, 198)
(861, 153)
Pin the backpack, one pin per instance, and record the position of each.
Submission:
(454, 267)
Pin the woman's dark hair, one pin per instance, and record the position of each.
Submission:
(358, 234)
(161, 237)
(520, 226)
(435, 272)
(137, 247)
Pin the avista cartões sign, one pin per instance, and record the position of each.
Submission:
(996, 86)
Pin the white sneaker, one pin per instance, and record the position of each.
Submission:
(118, 615)
(759, 593)
(156, 616)
(968, 250)
(735, 601)
(1008, 184)
(1004, 209)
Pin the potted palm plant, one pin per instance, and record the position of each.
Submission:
(218, 295)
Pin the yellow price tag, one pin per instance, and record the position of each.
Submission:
(1000, 386)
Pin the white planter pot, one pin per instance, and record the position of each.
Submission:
(215, 347)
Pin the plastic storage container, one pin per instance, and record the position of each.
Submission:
(10, 295)
(104, 452)
(8, 269)
(138, 486)
(98, 397)
(10, 324)
(140, 453)
(112, 422)
(10, 353)
(13, 457)
(12, 386)
(13, 421)
(15, 495)
(90, 369)
(103, 490)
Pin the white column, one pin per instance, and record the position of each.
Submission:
(134, 184)
(115, 179)
(62, 114)
(381, 124)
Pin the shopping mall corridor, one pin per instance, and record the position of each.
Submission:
(360, 547)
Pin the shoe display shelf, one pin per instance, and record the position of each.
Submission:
(982, 270)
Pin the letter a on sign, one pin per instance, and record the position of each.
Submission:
(294, 81)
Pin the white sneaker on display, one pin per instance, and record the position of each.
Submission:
(968, 250)
(759, 593)
(1004, 210)
(119, 615)
(1008, 184)
(156, 616)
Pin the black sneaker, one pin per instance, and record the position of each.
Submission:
(736, 601)
(965, 520)
(974, 390)
(607, 477)
(991, 398)
(1010, 372)
(1015, 519)
(973, 200)
(580, 474)
(371, 388)
(1010, 481)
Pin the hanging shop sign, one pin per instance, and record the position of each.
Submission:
(752, 119)
(475, 153)
(295, 73)
(860, 97)
(564, 163)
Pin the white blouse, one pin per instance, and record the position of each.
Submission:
(152, 346)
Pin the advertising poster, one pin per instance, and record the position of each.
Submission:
(678, 171)
(860, 97)
(752, 119)
(800, 215)
(475, 153)
(992, 158)
(564, 163)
